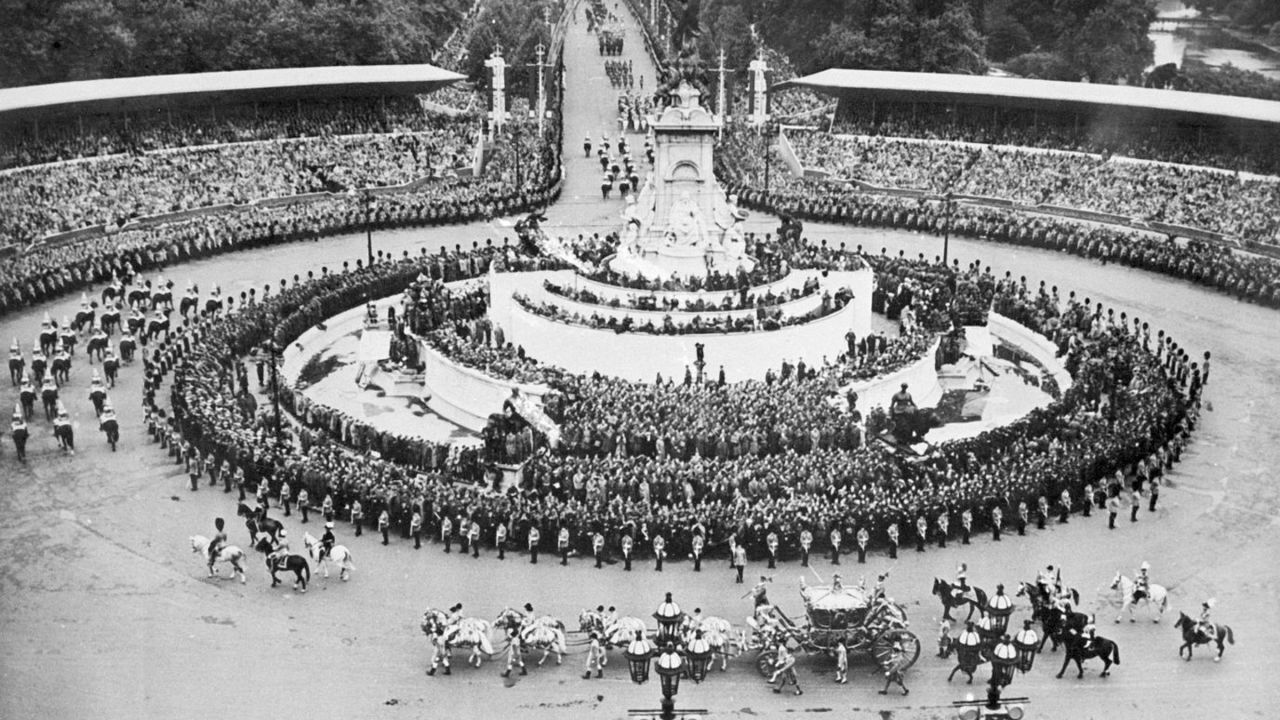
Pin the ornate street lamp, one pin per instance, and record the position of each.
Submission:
(1004, 658)
(999, 608)
(698, 653)
(1027, 643)
(638, 654)
(669, 617)
(969, 648)
(670, 668)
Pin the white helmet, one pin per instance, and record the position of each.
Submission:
(1145, 566)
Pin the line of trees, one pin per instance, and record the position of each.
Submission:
(44, 41)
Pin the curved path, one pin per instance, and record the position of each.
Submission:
(104, 612)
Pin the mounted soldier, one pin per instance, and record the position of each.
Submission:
(108, 424)
(27, 397)
(18, 430)
(16, 363)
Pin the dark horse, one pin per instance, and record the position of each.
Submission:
(1192, 636)
(1103, 649)
(258, 522)
(974, 597)
(1055, 623)
(289, 563)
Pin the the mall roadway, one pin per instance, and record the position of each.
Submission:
(104, 612)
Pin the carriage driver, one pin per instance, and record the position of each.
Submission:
(327, 541)
(219, 539)
(1142, 583)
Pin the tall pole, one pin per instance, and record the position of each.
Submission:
(275, 390)
(541, 104)
(720, 109)
(368, 225)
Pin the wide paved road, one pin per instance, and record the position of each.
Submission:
(104, 612)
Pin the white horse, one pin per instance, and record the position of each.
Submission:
(339, 555)
(467, 632)
(226, 554)
(718, 633)
(545, 633)
(616, 633)
(1157, 597)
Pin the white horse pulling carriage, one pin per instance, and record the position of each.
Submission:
(450, 631)
(541, 632)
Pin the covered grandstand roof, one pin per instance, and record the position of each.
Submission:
(1049, 94)
(101, 96)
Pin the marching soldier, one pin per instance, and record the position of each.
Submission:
(500, 540)
(893, 541)
(806, 541)
(864, 538)
(597, 548)
(739, 561)
(944, 522)
(195, 466)
(698, 543)
(515, 652)
(659, 551)
(835, 545)
(997, 515)
(1113, 509)
(534, 538)
(1023, 518)
(1086, 503)
(304, 502)
(966, 526)
(285, 496)
(1042, 505)
(922, 532)
(357, 516)
(595, 658)
(627, 543)
(760, 593)
(18, 429)
(415, 528)
(446, 532)
(562, 544)
(771, 542)
(1065, 507)
(473, 537)
(384, 525)
(326, 508)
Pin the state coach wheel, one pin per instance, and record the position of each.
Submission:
(896, 648)
(766, 661)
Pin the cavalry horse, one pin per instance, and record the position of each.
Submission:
(1054, 621)
(1192, 636)
(340, 556)
(543, 632)
(1157, 597)
(226, 554)
(295, 564)
(974, 597)
(617, 633)
(466, 632)
(258, 522)
(110, 320)
(1103, 649)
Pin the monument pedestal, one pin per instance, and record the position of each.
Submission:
(682, 261)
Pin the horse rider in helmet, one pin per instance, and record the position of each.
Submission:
(1205, 627)
(1142, 583)
(1089, 634)
(327, 541)
(279, 548)
(1046, 581)
(961, 585)
(218, 541)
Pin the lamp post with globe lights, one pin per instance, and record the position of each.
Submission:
(671, 664)
(1005, 658)
(1027, 642)
(999, 608)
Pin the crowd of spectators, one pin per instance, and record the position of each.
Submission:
(1177, 195)
(134, 133)
(753, 298)
(61, 197)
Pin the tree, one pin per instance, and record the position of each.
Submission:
(1111, 44)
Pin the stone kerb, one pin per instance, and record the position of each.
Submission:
(463, 395)
(1032, 343)
(921, 377)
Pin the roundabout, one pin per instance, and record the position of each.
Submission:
(107, 610)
